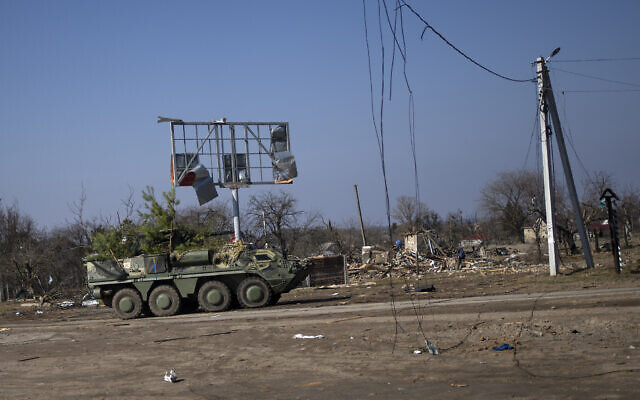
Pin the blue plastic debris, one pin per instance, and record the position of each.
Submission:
(503, 347)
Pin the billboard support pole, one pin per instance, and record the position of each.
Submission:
(236, 214)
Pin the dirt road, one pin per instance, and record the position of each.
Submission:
(571, 344)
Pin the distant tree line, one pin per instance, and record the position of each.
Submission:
(41, 262)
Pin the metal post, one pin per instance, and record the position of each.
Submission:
(609, 197)
(562, 149)
(548, 183)
(364, 238)
(236, 214)
(173, 155)
(264, 226)
(345, 269)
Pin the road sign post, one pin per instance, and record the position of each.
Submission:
(610, 197)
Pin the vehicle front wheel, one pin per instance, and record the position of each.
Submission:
(214, 296)
(254, 292)
(127, 303)
(164, 301)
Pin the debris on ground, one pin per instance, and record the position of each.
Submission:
(407, 262)
(170, 376)
(432, 348)
(420, 289)
(429, 347)
(301, 336)
(502, 347)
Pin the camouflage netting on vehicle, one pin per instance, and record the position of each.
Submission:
(229, 253)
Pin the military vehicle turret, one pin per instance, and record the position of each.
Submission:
(161, 283)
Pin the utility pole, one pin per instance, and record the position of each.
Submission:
(364, 238)
(549, 202)
(568, 175)
(548, 104)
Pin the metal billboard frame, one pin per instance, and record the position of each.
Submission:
(235, 154)
(220, 139)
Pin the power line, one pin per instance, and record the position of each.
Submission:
(379, 129)
(596, 77)
(402, 48)
(570, 137)
(536, 123)
(598, 59)
(380, 139)
(428, 26)
(601, 91)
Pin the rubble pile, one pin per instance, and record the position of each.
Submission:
(405, 263)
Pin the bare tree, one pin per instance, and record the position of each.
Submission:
(82, 227)
(26, 258)
(629, 213)
(513, 198)
(413, 215)
(590, 204)
(278, 211)
(215, 218)
(129, 204)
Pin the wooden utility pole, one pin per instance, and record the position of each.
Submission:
(364, 238)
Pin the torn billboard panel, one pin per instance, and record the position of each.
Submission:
(203, 184)
(284, 167)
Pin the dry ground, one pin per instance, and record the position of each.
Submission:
(575, 336)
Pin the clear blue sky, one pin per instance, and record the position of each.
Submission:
(82, 83)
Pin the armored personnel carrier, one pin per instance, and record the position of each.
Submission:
(160, 284)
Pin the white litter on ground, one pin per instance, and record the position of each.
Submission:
(87, 303)
(66, 303)
(38, 312)
(170, 376)
(301, 336)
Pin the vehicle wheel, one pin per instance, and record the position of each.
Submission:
(164, 301)
(214, 296)
(127, 303)
(275, 298)
(254, 292)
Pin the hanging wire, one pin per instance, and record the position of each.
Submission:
(596, 77)
(428, 26)
(402, 47)
(571, 139)
(601, 91)
(536, 125)
(380, 139)
(597, 60)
